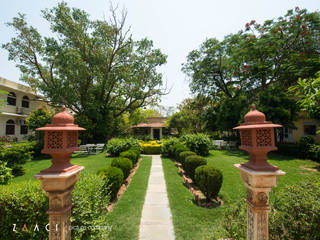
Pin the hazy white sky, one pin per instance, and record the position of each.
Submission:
(175, 26)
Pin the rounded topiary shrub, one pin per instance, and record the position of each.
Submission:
(209, 180)
(177, 149)
(304, 145)
(116, 146)
(184, 155)
(191, 163)
(113, 177)
(125, 164)
(199, 143)
(132, 155)
(137, 150)
(166, 148)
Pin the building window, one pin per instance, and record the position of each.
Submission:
(25, 102)
(310, 129)
(24, 128)
(11, 99)
(10, 127)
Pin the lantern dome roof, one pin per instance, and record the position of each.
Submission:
(254, 116)
(62, 117)
(256, 119)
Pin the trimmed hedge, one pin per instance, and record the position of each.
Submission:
(314, 152)
(116, 146)
(27, 204)
(125, 164)
(199, 143)
(113, 178)
(177, 149)
(151, 149)
(191, 163)
(184, 155)
(132, 155)
(209, 179)
(17, 153)
(166, 149)
(304, 145)
(289, 150)
(295, 214)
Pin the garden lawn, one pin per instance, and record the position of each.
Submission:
(126, 215)
(193, 222)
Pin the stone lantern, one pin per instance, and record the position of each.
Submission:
(257, 138)
(61, 139)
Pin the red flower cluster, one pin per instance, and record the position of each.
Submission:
(298, 17)
(246, 66)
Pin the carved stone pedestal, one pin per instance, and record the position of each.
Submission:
(259, 184)
(59, 188)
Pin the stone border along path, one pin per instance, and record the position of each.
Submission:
(156, 221)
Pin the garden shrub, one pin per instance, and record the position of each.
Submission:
(314, 152)
(27, 204)
(137, 150)
(18, 170)
(191, 163)
(117, 145)
(288, 150)
(209, 180)
(132, 155)
(166, 149)
(113, 178)
(199, 143)
(5, 173)
(17, 153)
(177, 149)
(124, 164)
(184, 155)
(304, 145)
(295, 214)
(151, 147)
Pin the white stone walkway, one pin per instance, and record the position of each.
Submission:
(156, 222)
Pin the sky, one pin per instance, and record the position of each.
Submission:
(176, 27)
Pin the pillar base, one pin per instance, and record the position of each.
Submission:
(259, 184)
(58, 187)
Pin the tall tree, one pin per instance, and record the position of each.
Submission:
(279, 50)
(91, 66)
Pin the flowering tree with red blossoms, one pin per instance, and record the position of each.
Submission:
(277, 51)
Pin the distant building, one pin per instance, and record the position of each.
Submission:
(155, 128)
(305, 127)
(19, 102)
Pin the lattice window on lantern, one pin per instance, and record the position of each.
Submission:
(264, 137)
(72, 139)
(246, 138)
(55, 140)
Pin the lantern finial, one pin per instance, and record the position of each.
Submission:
(63, 108)
(253, 107)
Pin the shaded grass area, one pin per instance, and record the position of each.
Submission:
(126, 215)
(193, 222)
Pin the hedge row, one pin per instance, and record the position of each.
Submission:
(119, 170)
(27, 204)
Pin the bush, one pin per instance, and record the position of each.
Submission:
(18, 170)
(209, 180)
(295, 214)
(184, 155)
(5, 173)
(304, 145)
(151, 149)
(131, 154)
(198, 143)
(177, 149)
(137, 150)
(191, 163)
(166, 149)
(314, 152)
(27, 204)
(117, 145)
(113, 178)
(17, 153)
(124, 164)
(288, 150)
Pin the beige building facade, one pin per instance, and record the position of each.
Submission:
(18, 101)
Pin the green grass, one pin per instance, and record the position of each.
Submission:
(193, 222)
(125, 217)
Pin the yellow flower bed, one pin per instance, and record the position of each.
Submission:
(151, 147)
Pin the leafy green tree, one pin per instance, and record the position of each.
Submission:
(308, 92)
(91, 66)
(279, 50)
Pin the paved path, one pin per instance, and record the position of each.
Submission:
(156, 220)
